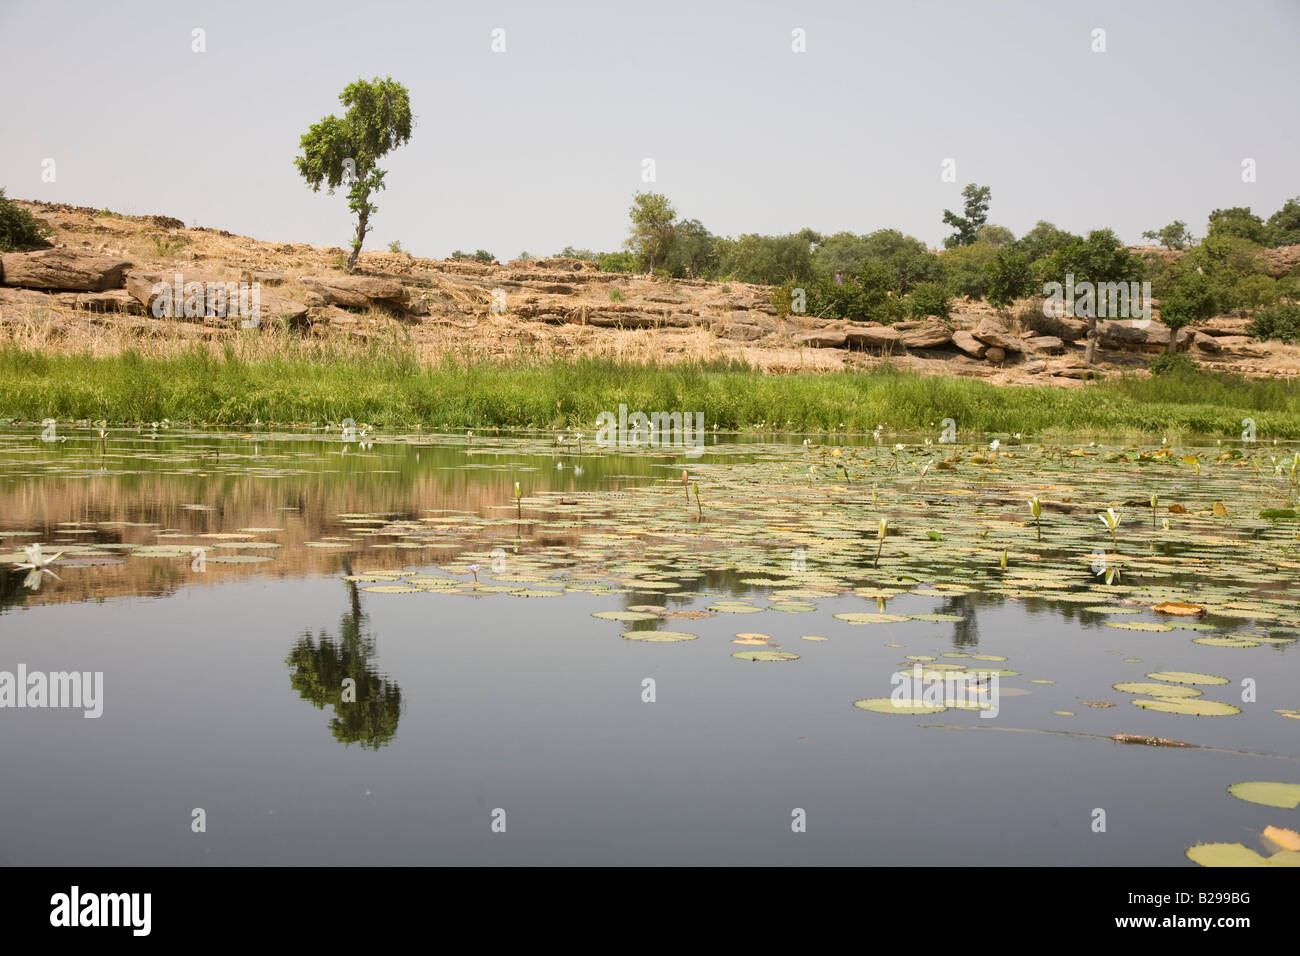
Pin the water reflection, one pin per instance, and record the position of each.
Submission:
(340, 673)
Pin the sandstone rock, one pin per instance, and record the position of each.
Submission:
(264, 276)
(63, 269)
(359, 292)
(112, 300)
(739, 331)
(1206, 343)
(1033, 368)
(1133, 333)
(1065, 328)
(969, 344)
(1049, 344)
(928, 335)
(1076, 372)
(823, 339)
(871, 335)
(996, 355)
(992, 333)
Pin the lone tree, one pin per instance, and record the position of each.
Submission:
(653, 228)
(977, 213)
(343, 152)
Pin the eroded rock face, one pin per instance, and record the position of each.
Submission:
(64, 270)
(359, 292)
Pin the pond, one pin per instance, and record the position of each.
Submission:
(528, 649)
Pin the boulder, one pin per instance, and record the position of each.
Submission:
(63, 269)
(969, 344)
(359, 292)
(992, 333)
(871, 335)
(739, 331)
(1206, 343)
(929, 335)
(1049, 344)
(996, 355)
(1065, 328)
(823, 339)
(1034, 368)
(1133, 334)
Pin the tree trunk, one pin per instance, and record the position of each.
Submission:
(363, 218)
(1090, 352)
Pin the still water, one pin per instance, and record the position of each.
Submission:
(374, 652)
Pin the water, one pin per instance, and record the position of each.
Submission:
(223, 681)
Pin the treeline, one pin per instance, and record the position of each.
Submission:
(886, 275)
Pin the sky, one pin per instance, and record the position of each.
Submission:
(543, 145)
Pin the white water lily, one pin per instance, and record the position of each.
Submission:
(993, 445)
(35, 560)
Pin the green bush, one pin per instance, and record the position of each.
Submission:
(928, 298)
(616, 262)
(1281, 322)
(1173, 363)
(18, 228)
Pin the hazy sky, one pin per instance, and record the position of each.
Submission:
(542, 146)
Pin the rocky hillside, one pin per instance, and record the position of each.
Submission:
(96, 286)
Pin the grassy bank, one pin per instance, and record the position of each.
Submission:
(390, 387)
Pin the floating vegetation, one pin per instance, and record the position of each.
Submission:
(765, 656)
(1268, 793)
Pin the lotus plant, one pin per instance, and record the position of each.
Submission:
(686, 487)
(1155, 501)
(1036, 509)
(881, 530)
(698, 506)
(1110, 519)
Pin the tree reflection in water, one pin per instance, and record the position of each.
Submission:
(318, 668)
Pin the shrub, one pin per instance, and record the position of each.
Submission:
(482, 255)
(396, 246)
(18, 228)
(929, 298)
(616, 262)
(1281, 322)
(615, 295)
(1173, 363)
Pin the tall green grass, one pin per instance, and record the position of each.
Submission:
(388, 386)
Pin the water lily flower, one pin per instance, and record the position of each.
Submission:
(474, 570)
(35, 560)
(1036, 509)
(882, 529)
(993, 445)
